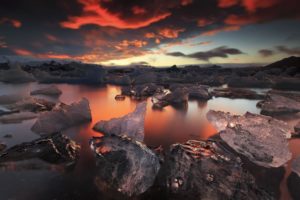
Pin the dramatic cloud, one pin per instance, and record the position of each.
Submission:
(170, 32)
(95, 13)
(266, 52)
(220, 52)
(164, 33)
(108, 30)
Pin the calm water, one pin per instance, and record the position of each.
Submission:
(20, 181)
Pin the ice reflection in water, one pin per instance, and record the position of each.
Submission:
(161, 128)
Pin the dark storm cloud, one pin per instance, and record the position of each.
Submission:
(220, 52)
(266, 52)
(100, 30)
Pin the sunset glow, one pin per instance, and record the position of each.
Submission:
(111, 32)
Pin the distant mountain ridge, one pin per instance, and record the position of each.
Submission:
(292, 61)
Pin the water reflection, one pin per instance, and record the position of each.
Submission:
(294, 146)
(161, 128)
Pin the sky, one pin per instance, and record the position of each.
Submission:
(151, 32)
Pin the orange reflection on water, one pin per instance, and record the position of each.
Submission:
(294, 145)
(161, 127)
(208, 131)
(103, 107)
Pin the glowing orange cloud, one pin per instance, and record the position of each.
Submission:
(94, 13)
(55, 56)
(222, 29)
(170, 32)
(22, 52)
(252, 5)
(95, 55)
(241, 20)
(15, 23)
(150, 35)
(133, 43)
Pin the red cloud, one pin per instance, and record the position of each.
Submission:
(222, 29)
(241, 20)
(124, 49)
(250, 5)
(150, 35)
(52, 38)
(15, 23)
(170, 32)
(134, 43)
(99, 56)
(204, 22)
(94, 13)
(22, 52)
(55, 56)
(138, 10)
(227, 3)
(186, 2)
(98, 38)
